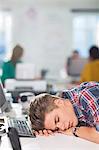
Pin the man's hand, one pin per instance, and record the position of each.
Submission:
(43, 132)
(50, 132)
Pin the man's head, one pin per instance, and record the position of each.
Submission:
(94, 52)
(42, 104)
(51, 112)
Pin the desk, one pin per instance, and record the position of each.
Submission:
(55, 142)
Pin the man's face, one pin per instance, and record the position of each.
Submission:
(61, 118)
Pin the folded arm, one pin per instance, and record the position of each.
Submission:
(88, 133)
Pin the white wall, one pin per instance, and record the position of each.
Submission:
(46, 36)
(44, 29)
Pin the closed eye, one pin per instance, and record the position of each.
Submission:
(56, 120)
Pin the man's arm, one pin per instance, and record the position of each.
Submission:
(88, 133)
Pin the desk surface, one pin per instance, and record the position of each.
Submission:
(55, 142)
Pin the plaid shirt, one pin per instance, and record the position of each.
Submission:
(85, 100)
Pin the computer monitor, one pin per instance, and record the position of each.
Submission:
(5, 106)
(25, 71)
(76, 67)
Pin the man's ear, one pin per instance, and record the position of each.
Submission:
(59, 102)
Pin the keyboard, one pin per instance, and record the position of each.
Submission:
(21, 126)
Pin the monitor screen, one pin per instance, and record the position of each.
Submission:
(2, 96)
(76, 66)
(4, 105)
(25, 71)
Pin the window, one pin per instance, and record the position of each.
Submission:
(85, 32)
(5, 34)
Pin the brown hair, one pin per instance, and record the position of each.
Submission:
(17, 53)
(41, 105)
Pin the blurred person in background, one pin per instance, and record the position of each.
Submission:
(91, 69)
(74, 56)
(9, 67)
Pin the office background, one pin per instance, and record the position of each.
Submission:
(49, 30)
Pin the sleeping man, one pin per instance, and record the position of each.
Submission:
(75, 112)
